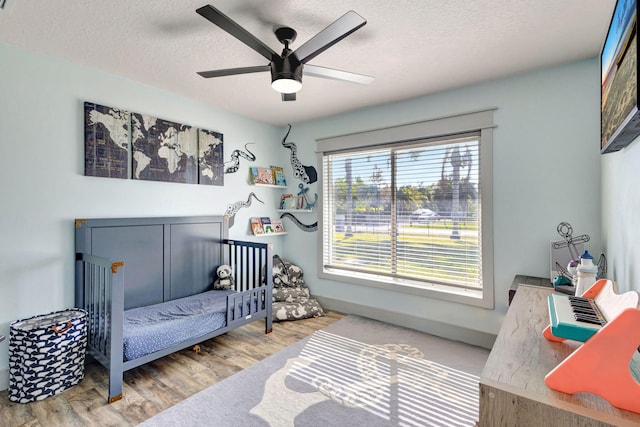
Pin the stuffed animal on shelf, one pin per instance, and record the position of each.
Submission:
(225, 280)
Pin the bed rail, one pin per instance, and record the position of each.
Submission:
(252, 267)
(102, 284)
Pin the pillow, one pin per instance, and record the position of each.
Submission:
(286, 311)
(287, 294)
(286, 273)
(290, 294)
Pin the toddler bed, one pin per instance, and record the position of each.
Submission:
(146, 284)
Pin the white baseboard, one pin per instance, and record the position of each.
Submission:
(4, 379)
(443, 330)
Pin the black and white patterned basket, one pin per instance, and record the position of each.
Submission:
(46, 354)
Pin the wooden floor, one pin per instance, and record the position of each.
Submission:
(151, 388)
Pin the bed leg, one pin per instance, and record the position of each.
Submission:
(268, 325)
(115, 398)
(115, 385)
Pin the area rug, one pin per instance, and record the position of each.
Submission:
(355, 372)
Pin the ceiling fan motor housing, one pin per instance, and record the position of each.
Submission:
(286, 67)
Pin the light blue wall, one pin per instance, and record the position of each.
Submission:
(43, 188)
(546, 170)
(620, 214)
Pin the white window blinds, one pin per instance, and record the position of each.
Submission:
(408, 211)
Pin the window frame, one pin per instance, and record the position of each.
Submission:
(476, 121)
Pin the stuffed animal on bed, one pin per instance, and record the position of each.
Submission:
(225, 280)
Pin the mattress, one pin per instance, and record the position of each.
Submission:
(159, 326)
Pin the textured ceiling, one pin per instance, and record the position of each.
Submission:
(411, 47)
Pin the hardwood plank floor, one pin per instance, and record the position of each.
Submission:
(158, 385)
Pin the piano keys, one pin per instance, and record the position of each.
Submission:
(579, 318)
(586, 310)
(565, 323)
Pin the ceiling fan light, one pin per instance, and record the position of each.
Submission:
(286, 73)
(286, 85)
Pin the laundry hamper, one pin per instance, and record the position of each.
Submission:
(46, 354)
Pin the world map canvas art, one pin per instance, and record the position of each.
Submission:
(106, 141)
(123, 144)
(210, 158)
(163, 150)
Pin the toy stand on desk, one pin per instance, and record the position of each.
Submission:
(602, 364)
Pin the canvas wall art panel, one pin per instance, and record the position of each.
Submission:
(210, 158)
(106, 141)
(163, 150)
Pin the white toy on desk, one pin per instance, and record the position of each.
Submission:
(587, 272)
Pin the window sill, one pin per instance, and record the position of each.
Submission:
(473, 297)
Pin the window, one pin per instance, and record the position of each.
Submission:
(405, 208)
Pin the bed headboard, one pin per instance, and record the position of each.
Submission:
(164, 258)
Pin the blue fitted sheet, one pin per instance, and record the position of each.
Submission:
(159, 326)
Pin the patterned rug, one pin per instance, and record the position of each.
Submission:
(355, 372)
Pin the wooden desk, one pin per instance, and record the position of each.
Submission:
(512, 388)
(527, 280)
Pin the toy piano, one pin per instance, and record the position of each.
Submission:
(579, 317)
(609, 326)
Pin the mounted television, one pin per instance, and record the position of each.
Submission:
(619, 115)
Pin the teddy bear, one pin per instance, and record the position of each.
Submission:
(225, 280)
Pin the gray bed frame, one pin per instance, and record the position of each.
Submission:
(123, 263)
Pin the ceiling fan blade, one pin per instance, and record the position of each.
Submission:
(331, 73)
(223, 21)
(234, 71)
(288, 96)
(338, 30)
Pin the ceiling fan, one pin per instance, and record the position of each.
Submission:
(288, 67)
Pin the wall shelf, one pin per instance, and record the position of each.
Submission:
(270, 185)
(294, 210)
(269, 234)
